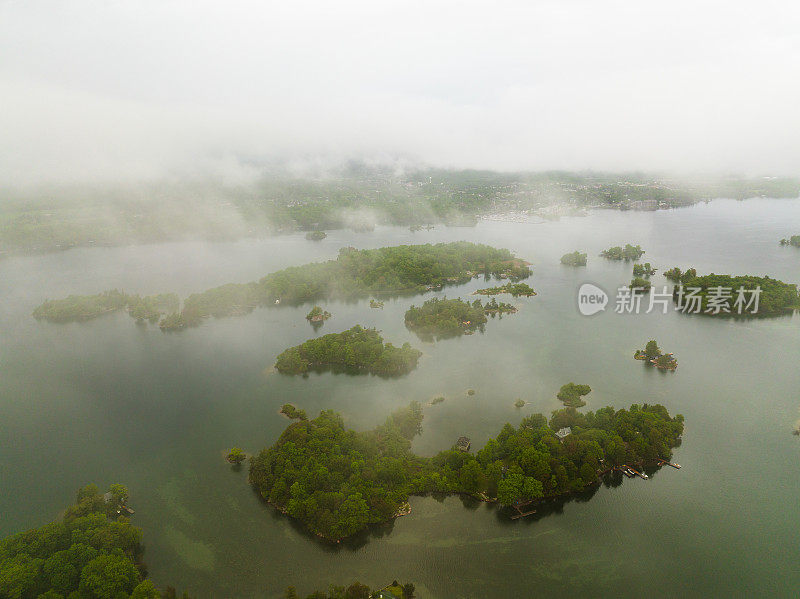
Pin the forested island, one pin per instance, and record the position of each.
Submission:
(337, 481)
(442, 318)
(794, 241)
(317, 314)
(643, 270)
(652, 354)
(316, 235)
(571, 394)
(87, 307)
(92, 552)
(514, 289)
(628, 253)
(357, 351)
(405, 269)
(575, 258)
(720, 295)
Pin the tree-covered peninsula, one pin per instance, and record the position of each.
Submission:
(677, 276)
(628, 253)
(337, 481)
(744, 296)
(514, 289)
(405, 269)
(91, 553)
(575, 258)
(357, 350)
(87, 307)
(794, 241)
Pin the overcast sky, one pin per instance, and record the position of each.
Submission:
(100, 90)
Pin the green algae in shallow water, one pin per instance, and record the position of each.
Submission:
(196, 554)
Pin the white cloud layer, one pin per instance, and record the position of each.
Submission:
(110, 90)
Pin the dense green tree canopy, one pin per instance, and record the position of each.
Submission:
(87, 555)
(86, 307)
(337, 481)
(575, 258)
(356, 350)
(515, 289)
(571, 394)
(718, 295)
(628, 253)
(441, 318)
(643, 270)
(355, 273)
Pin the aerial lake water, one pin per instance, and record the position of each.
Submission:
(108, 401)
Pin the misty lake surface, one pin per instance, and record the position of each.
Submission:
(109, 401)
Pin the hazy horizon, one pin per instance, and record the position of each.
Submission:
(111, 92)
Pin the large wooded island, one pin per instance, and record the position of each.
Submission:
(337, 481)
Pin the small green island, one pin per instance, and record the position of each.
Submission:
(643, 270)
(355, 351)
(442, 318)
(316, 235)
(93, 551)
(572, 394)
(719, 296)
(514, 289)
(86, 307)
(317, 314)
(628, 253)
(337, 481)
(373, 303)
(575, 258)
(652, 354)
(793, 241)
(236, 456)
(494, 308)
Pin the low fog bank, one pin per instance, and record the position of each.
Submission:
(318, 196)
(110, 92)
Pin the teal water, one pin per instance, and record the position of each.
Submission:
(108, 401)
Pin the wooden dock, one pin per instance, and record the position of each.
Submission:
(666, 463)
(522, 514)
